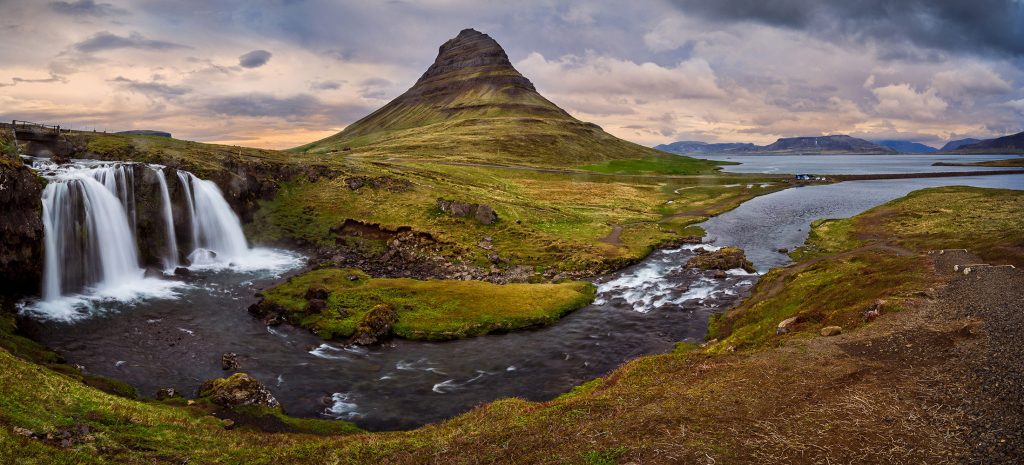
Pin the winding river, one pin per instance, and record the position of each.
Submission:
(177, 341)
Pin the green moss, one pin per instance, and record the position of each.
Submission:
(427, 310)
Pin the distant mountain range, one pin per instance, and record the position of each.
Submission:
(955, 144)
(906, 146)
(1013, 143)
(818, 145)
(842, 144)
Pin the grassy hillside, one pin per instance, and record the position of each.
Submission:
(880, 392)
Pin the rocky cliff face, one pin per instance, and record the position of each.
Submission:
(21, 228)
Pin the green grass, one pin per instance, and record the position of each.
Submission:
(427, 310)
(667, 164)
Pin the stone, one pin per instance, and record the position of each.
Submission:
(315, 306)
(783, 250)
(786, 325)
(23, 432)
(726, 258)
(229, 361)
(238, 390)
(375, 325)
(873, 311)
(719, 274)
(831, 331)
(229, 423)
(167, 393)
(483, 214)
(317, 291)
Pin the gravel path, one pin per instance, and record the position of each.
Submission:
(994, 368)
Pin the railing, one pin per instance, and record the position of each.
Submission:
(17, 124)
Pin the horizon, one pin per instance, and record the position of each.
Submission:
(281, 74)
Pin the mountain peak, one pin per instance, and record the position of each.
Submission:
(471, 54)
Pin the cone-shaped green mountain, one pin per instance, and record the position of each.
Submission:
(473, 105)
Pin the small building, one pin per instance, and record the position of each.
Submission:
(805, 177)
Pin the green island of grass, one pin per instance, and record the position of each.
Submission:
(427, 310)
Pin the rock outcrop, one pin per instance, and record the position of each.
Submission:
(483, 214)
(726, 258)
(21, 228)
(375, 325)
(238, 390)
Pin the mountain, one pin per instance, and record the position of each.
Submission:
(472, 105)
(686, 147)
(905, 146)
(840, 144)
(1013, 143)
(955, 144)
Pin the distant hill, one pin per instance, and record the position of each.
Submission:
(839, 144)
(955, 144)
(687, 147)
(473, 105)
(145, 132)
(1013, 143)
(905, 146)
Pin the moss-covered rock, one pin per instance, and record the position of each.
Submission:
(375, 324)
(238, 390)
(726, 258)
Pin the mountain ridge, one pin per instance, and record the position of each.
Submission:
(804, 145)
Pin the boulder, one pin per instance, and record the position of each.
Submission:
(831, 331)
(238, 390)
(725, 258)
(317, 291)
(229, 361)
(167, 393)
(786, 325)
(375, 325)
(483, 214)
(873, 311)
(315, 306)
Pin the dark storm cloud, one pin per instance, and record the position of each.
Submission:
(154, 89)
(254, 59)
(86, 8)
(260, 104)
(955, 25)
(108, 41)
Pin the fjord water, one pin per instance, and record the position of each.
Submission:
(177, 342)
(854, 164)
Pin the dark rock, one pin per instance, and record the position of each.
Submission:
(315, 306)
(182, 271)
(317, 291)
(238, 390)
(380, 182)
(719, 274)
(229, 361)
(375, 325)
(21, 228)
(783, 250)
(786, 325)
(167, 393)
(725, 258)
(483, 214)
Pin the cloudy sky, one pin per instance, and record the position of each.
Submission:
(279, 73)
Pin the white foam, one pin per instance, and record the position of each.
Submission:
(98, 300)
(254, 260)
(445, 386)
(342, 408)
(329, 352)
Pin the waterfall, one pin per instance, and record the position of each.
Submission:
(187, 186)
(89, 242)
(171, 259)
(216, 228)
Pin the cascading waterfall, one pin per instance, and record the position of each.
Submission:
(171, 257)
(92, 249)
(216, 230)
(89, 242)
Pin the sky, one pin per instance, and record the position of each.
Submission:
(280, 73)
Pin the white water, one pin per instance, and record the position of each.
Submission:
(215, 226)
(91, 256)
(171, 259)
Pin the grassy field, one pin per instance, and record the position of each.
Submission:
(1017, 162)
(672, 165)
(752, 396)
(427, 310)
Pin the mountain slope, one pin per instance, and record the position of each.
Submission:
(955, 144)
(693, 147)
(1013, 143)
(839, 144)
(905, 146)
(473, 105)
